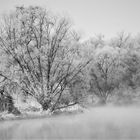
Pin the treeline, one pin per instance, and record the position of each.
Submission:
(43, 56)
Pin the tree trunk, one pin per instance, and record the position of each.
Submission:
(44, 102)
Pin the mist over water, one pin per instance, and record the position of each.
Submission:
(96, 123)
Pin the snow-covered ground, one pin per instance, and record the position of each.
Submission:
(107, 123)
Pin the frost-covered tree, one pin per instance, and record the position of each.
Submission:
(41, 53)
(104, 73)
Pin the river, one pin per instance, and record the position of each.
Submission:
(98, 123)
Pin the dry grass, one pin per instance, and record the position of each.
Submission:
(98, 123)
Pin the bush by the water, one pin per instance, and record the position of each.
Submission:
(7, 104)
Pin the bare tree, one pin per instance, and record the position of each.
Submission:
(41, 53)
(104, 75)
(122, 40)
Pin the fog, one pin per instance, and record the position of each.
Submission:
(97, 123)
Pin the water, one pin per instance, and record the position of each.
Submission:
(99, 123)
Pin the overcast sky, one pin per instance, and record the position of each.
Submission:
(92, 17)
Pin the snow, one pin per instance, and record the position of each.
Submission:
(73, 108)
(29, 106)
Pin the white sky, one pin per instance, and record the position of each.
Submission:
(107, 17)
